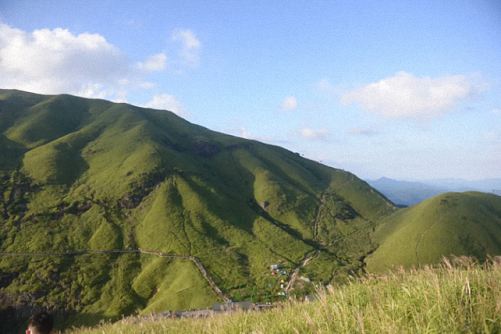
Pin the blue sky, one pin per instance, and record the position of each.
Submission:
(402, 89)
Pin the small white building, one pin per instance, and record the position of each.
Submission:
(275, 267)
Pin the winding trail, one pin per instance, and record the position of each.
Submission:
(312, 254)
(196, 261)
(316, 221)
(308, 257)
(421, 236)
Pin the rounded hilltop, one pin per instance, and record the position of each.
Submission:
(448, 224)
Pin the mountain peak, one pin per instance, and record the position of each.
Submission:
(85, 174)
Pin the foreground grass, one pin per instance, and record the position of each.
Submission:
(464, 298)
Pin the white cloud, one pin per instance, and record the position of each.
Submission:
(313, 134)
(146, 85)
(156, 62)
(188, 39)
(363, 132)
(55, 61)
(244, 133)
(405, 95)
(289, 103)
(166, 102)
(325, 86)
(496, 111)
(190, 46)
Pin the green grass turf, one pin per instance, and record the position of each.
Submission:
(448, 224)
(445, 299)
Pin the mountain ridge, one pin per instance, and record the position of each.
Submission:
(92, 174)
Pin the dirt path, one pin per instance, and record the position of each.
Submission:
(312, 254)
(295, 273)
(316, 222)
(196, 261)
(421, 236)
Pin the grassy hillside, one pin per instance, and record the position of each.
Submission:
(83, 174)
(448, 224)
(462, 299)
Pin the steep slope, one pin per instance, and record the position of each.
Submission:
(91, 175)
(448, 224)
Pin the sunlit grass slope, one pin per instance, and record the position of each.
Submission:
(447, 299)
(448, 224)
(80, 173)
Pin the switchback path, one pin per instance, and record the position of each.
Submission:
(316, 221)
(303, 263)
(308, 256)
(196, 261)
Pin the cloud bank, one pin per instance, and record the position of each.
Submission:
(55, 61)
(405, 95)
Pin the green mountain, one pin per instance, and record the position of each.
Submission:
(449, 224)
(109, 209)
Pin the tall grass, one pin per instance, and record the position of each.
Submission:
(458, 296)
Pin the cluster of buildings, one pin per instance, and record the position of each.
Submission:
(281, 274)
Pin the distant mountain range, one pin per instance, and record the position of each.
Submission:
(405, 193)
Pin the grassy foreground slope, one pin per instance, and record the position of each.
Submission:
(447, 299)
(449, 224)
(84, 174)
